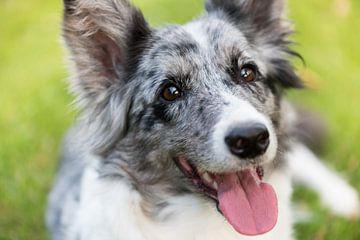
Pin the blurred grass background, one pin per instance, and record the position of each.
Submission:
(35, 111)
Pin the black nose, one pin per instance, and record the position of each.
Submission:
(248, 141)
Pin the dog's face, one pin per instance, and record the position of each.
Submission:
(201, 94)
(192, 107)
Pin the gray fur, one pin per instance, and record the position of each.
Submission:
(65, 196)
(120, 65)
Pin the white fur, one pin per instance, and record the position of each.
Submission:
(233, 38)
(110, 210)
(197, 32)
(335, 192)
(239, 112)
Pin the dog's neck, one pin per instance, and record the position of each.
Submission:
(115, 200)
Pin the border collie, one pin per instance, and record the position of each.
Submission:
(184, 131)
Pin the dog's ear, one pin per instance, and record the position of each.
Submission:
(106, 39)
(265, 26)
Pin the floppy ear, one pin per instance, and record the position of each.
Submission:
(106, 39)
(264, 25)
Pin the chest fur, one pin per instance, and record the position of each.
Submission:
(111, 210)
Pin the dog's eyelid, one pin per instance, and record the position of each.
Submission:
(171, 80)
(255, 67)
(249, 63)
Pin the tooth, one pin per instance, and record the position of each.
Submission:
(207, 177)
(215, 185)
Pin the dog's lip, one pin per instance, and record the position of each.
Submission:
(205, 181)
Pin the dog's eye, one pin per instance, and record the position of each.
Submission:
(170, 92)
(248, 73)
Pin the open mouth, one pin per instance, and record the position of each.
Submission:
(247, 203)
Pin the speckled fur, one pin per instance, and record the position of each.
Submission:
(127, 136)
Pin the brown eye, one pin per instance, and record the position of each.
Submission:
(170, 92)
(248, 73)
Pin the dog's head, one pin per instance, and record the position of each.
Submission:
(191, 108)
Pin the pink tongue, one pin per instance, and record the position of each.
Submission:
(248, 205)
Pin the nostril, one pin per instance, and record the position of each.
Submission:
(237, 145)
(248, 141)
(240, 143)
(263, 140)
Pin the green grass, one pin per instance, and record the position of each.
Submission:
(35, 106)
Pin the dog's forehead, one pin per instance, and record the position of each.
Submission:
(214, 34)
(223, 40)
(203, 42)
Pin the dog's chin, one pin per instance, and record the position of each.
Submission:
(247, 203)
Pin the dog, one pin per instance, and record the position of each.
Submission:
(185, 132)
